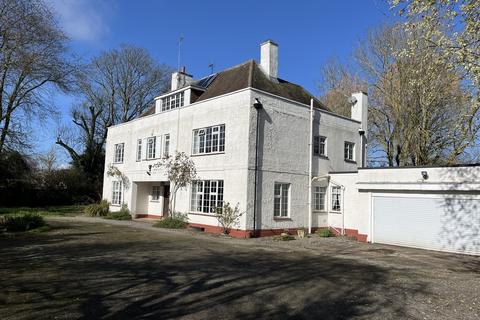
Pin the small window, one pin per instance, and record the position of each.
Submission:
(156, 193)
(166, 146)
(320, 146)
(118, 158)
(319, 194)
(151, 147)
(281, 199)
(117, 192)
(139, 150)
(349, 151)
(173, 101)
(336, 199)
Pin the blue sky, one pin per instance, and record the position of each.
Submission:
(225, 33)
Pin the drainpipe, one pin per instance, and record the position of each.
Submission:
(258, 106)
(310, 155)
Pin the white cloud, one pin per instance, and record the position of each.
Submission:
(82, 20)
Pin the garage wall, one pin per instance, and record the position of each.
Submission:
(456, 190)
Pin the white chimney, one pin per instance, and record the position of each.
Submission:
(360, 109)
(269, 58)
(359, 102)
(180, 79)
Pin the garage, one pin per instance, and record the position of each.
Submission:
(444, 222)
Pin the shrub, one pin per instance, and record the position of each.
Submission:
(324, 233)
(177, 222)
(23, 221)
(97, 209)
(123, 214)
(228, 216)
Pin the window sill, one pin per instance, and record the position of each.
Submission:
(115, 205)
(321, 156)
(282, 219)
(336, 212)
(320, 211)
(207, 154)
(156, 201)
(118, 162)
(203, 214)
(350, 161)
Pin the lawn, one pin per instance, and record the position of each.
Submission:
(64, 211)
(86, 268)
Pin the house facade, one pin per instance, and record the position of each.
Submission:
(256, 140)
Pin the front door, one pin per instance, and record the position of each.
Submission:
(166, 199)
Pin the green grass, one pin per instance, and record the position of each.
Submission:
(64, 211)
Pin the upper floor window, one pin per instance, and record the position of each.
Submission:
(118, 157)
(151, 147)
(336, 199)
(319, 194)
(139, 149)
(209, 140)
(320, 146)
(349, 151)
(166, 145)
(207, 196)
(173, 101)
(117, 192)
(281, 197)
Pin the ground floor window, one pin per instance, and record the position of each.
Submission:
(117, 192)
(319, 194)
(281, 199)
(336, 199)
(207, 195)
(156, 193)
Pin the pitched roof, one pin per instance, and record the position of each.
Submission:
(248, 74)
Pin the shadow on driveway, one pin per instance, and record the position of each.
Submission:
(93, 271)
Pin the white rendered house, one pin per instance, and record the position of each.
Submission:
(288, 161)
(216, 120)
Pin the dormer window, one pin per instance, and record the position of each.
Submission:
(173, 101)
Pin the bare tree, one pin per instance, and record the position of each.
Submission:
(420, 112)
(115, 87)
(337, 84)
(32, 61)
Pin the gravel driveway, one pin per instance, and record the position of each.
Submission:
(87, 269)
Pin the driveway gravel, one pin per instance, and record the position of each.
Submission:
(88, 268)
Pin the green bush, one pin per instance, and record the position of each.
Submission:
(325, 233)
(22, 221)
(177, 222)
(97, 209)
(123, 214)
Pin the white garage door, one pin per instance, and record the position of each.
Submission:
(444, 224)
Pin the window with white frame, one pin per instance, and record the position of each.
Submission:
(281, 199)
(336, 199)
(118, 158)
(117, 192)
(151, 147)
(173, 101)
(209, 140)
(349, 151)
(166, 145)
(139, 150)
(207, 196)
(156, 193)
(319, 194)
(320, 146)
